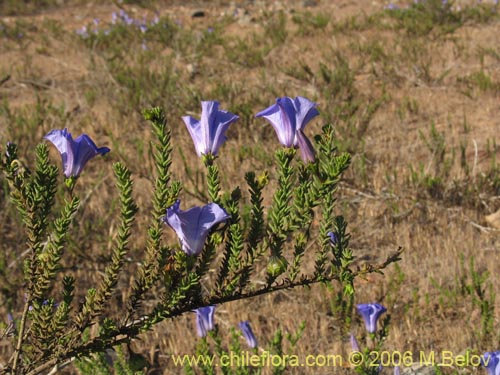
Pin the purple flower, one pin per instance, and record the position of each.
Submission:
(391, 6)
(354, 343)
(204, 320)
(83, 32)
(192, 226)
(370, 313)
(209, 133)
(397, 370)
(45, 303)
(491, 360)
(125, 17)
(248, 334)
(75, 153)
(289, 118)
(333, 238)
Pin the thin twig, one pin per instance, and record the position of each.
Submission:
(19, 344)
(4, 79)
(475, 160)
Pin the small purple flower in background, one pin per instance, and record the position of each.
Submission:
(397, 370)
(75, 153)
(248, 334)
(354, 343)
(391, 6)
(209, 133)
(491, 360)
(333, 238)
(204, 320)
(289, 118)
(45, 303)
(83, 32)
(192, 226)
(370, 313)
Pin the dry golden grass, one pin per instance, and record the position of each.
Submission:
(449, 79)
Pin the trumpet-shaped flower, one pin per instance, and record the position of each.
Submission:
(491, 360)
(370, 313)
(192, 226)
(209, 133)
(75, 153)
(289, 118)
(248, 334)
(204, 320)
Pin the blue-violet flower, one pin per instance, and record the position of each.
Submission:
(75, 153)
(333, 238)
(209, 133)
(192, 226)
(248, 334)
(204, 320)
(289, 118)
(370, 313)
(491, 360)
(354, 343)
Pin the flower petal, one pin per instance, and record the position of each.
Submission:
(208, 124)
(306, 110)
(85, 150)
(194, 128)
(192, 226)
(306, 148)
(223, 120)
(273, 115)
(64, 143)
(288, 119)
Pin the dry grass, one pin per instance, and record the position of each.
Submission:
(428, 192)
